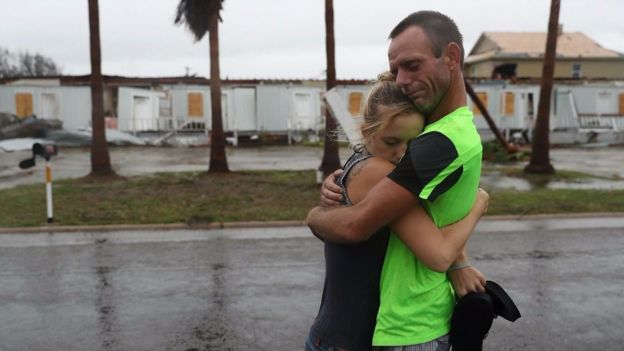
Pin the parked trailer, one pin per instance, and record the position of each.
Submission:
(70, 105)
(580, 111)
(577, 112)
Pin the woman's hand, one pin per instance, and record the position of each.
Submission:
(331, 193)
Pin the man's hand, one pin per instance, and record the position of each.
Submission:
(467, 280)
(331, 193)
(482, 201)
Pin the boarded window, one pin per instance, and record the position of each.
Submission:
(23, 104)
(509, 103)
(621, 104)
(484, 99)
(195, 105)
(355, 102)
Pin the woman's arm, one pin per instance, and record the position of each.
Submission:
(438, 248)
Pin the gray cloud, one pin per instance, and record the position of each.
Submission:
(270, 38)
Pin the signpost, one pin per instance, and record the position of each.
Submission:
(46, 151)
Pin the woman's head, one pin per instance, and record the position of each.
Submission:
(390, 120)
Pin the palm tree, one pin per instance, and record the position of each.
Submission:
(540, 159)
(331, 161)
(203, 16)
(100, 158)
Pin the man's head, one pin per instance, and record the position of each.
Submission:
(426, 56)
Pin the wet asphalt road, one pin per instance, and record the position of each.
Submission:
(259, 289)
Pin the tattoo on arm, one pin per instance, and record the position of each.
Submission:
(355, 170)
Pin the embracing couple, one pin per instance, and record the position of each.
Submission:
(396, 219)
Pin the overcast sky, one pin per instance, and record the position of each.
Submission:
(271, 38)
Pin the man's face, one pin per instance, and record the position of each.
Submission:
(424, 78)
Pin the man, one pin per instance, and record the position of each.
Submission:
(440, 171)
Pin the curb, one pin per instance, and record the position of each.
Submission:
(262, 224)
(142, 227)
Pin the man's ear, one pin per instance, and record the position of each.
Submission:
(452, 56)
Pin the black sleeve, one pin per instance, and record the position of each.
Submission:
(427, 156)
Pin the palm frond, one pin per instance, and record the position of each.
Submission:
(195, 14)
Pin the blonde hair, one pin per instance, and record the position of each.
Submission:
(384, 103)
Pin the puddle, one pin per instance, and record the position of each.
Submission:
(500, 181)
(138, 160)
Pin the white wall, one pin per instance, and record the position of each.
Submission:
(73, 103)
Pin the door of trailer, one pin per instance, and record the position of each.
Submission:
(604, 103)
(50, 105)
(141, 113)
(243, 116)
(303, 110)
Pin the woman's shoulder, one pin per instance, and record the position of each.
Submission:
(365, 174)
(375, 167)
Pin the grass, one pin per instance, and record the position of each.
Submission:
(196, 197)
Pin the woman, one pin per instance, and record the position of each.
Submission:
(346, 319)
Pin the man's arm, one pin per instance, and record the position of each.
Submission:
(331, 193)
(385, 202)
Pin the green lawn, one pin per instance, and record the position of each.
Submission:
(239, 196)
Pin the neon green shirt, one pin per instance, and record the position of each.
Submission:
(442, 167)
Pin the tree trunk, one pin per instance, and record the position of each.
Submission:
(331, 160)
(218, 161)
(540, 158)
(100, 159)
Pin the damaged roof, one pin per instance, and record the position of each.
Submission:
(530, 45)
(84, 80)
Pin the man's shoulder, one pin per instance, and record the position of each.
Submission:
(432, 146)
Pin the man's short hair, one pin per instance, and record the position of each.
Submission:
(440, 29)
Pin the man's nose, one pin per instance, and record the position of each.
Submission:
(402, 79)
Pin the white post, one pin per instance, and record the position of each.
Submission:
(48, 175)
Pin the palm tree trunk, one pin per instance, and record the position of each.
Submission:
(331, 160)
(100, 159)
(540, 158)
(218, 161)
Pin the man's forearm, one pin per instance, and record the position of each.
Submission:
(335, 224)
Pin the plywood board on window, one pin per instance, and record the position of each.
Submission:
(509, 103)
(23, 104)
(195, 105)
(483, 96)
(355, 103)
